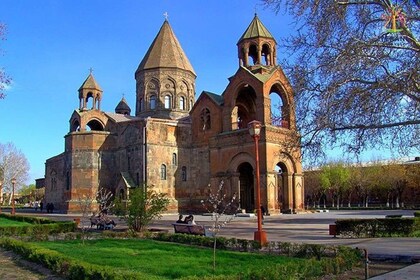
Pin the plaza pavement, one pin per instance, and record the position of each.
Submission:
(307, 228)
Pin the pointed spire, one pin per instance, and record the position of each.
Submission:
(122, 107)
(90, 83)
(256, 29)
(165, 52)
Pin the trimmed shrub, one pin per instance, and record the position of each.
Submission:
(39, 229)
(402, 227)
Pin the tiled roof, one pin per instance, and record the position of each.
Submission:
(122, 106)
(215, 97)
(90, 83)
(119, 117)
(256, 29)
(165, 52)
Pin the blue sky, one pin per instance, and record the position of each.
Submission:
(51, 45)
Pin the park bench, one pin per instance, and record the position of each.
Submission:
(190, 229)
(102, 222)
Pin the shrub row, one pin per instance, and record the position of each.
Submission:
(40, 228)
(402, 227)
(27, 219)
(417, 214)
(316, 251)
(322, 259)
(344, 259)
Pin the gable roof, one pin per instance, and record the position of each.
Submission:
(218, 99)
(129, 182)
(165, 52)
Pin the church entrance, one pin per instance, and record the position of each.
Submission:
(246, 187)
(283, 190)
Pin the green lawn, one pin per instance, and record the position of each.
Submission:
(12, 223)
(159, 260)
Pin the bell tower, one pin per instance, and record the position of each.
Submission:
(90, 89)
(256, 46)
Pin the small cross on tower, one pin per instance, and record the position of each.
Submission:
(165, 14)
(90, 70)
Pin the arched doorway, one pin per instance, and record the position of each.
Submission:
(246, 187)
(282, 185)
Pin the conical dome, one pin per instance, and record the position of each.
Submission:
(165, 52)
(90, 83)
(256, 29)
(123, 108)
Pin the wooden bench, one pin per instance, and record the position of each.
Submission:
(190, 229)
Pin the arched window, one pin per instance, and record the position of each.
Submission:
(75, 126)
(174, 159)
(184, 173)
(163, 172)
(182, 103)
(205, 119)
(152, 102)
(141, 104)
(191, 104)
(121, 194)
(167, 102)
(94, 125)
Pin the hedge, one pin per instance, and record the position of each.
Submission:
(401, 227)
(344, 258)
(40, 227)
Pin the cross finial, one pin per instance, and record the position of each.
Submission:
(90, 70)
(255, 10)
(165, 14)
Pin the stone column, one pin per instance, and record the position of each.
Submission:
(298, 192)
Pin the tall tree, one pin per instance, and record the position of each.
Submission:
(355, 70)
(4, 78)
(13, 164)
(335, 178)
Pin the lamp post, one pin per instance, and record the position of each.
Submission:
(13, 196)
(254, 128)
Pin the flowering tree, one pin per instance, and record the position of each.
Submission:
(219, 206)
(13, 164)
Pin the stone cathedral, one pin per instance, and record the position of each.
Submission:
(180, 145)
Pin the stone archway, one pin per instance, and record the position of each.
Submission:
(246, 187)
(282, 184)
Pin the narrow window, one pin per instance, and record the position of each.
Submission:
(184, 173)
(167, 102)
(174, 159)
(205, 119)
(152, 102)
(163, 172)
(182, 103)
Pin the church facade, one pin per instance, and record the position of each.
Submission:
(181, 146)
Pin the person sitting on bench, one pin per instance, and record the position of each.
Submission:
(180, 221)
